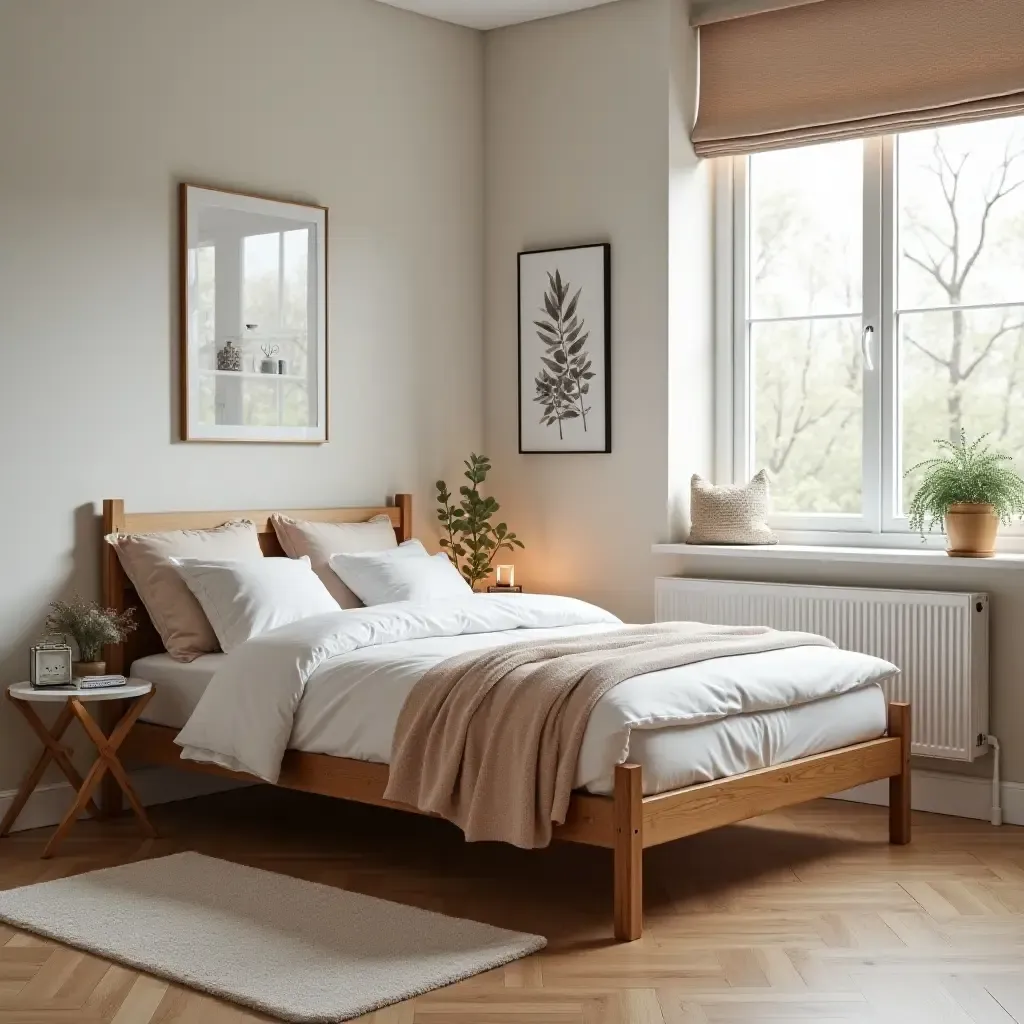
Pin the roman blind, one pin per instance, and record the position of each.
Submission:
(840, 69)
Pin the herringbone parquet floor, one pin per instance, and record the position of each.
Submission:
(806, 916)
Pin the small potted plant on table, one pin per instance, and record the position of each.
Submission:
(472, 541)
(92, 627)
(969, 490)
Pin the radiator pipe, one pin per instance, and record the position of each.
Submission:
(996, 811)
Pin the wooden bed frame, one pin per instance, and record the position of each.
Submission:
(626, 822)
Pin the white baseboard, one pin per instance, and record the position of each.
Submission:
(46, 806)
(961, 796)
(50, 802)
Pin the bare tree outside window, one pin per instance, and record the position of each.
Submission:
(805, 300)
(957, 249)
(961, 269)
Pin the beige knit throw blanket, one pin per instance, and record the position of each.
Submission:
(490, 739)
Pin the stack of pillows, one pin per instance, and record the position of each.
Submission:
(211, 590)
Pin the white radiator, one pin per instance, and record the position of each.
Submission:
(938, 640)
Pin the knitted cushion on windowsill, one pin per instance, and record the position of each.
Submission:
(730, 515)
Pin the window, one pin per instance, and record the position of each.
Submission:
(274, 280)
(276, 317)
(878, 304)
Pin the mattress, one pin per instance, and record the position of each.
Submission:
(179, 685)
(357, 720)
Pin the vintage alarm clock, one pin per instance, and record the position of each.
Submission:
(50, 664)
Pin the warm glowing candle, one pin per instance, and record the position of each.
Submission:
(505, 575)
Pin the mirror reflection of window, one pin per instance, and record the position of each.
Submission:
(256, 326)
(266, 317)
(205, 305)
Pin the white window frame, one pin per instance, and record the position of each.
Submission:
(879, 525)
(276, 327)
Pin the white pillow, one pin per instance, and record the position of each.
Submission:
(245, 599)
(321, 540)
(406, 573)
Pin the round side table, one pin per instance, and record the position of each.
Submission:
(76, 701)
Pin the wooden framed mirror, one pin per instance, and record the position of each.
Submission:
(253, 318)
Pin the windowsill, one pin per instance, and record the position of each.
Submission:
(829, 553)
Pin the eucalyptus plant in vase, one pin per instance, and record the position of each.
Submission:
(969, 490)
(471, 541)
(91, 627)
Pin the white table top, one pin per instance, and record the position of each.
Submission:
(26, 691)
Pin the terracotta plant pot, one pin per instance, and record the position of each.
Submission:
(88, 668)
(971, 530)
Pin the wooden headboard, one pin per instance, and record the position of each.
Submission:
(119, 593)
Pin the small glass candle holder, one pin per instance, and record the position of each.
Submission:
(505, 575)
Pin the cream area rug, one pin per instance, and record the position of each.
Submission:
(294, 949)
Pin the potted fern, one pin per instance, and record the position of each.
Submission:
(969, 489)
(92, 627)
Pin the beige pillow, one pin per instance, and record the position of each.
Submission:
(318, 541)
(730, 515)
(177, 615)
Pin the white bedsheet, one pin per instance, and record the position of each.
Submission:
(179, 685)
(767, 708)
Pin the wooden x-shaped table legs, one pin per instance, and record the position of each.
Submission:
(107, 760)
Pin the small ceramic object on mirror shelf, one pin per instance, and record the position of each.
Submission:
(282, 367)
(229, 357)
(269, 364)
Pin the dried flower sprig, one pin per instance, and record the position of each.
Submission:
(90, 625)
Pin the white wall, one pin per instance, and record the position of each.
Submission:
(586, 141)
(104, 107)
(691, 326)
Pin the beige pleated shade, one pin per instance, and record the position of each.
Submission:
(842, 69)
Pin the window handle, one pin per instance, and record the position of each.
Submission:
(867, 337)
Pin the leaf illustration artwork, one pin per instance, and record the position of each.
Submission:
(564, 381)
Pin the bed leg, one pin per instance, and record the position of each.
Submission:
(899, 785)
(629, 852)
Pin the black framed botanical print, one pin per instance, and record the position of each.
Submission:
(565, 387)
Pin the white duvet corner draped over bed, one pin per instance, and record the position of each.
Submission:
(245, 719)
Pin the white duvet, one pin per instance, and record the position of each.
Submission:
(372, 657)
